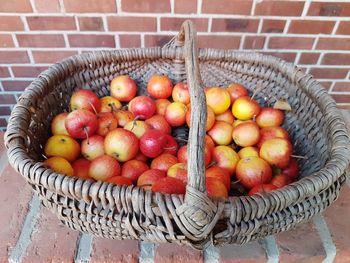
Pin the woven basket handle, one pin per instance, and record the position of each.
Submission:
(196, 166)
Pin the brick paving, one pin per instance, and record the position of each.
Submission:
(33, 234)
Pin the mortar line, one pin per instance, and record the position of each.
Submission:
(84, 248)
(211, 255)
(327, 242)
(271, 249)
(146, 252)
(19, 251)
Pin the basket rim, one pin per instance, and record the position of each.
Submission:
(335, 166)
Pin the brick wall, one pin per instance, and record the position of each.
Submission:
(36, 33)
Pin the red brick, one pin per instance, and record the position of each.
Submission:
(146, 6)
(344, 28)
(185, 6)
(250, 253)
(4, 72)
(328, 73)
(15, 85)
(337, 218)
(91, 24)
(273, 26)
(3, 124)
(51, 56)
(291, 42)
(287, 56)
(174, 23)
(309, 58)
(311, 27)
(329, 9)
(6, 41)
(235, 25)
(254, 42)
(15, 6)
(7, 99)
(343, 107)
(14, 57)
(341, 86)
(90, 6)
(326, 84)
(157, 40)
(27, 71)
(118, 23)
(128, 41)
(91, 41)
(221, 42)
(51, 23)
(47, 6)
(293, 250)
(336, 59)
(52, 241)
(4, 111)
(172, 253)
(40, 40)
(279, 8)
(11, 23)
(232, 7)
(327, 43)
(15, 195)
(341, 98)
(109, 250)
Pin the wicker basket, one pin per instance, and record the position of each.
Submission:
(315, 126)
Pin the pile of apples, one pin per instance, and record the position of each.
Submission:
(126, 139)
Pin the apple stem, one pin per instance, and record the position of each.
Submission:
(93, 107)
(169, 148)
(87, 135)
(298, 156)
(212, 164)
(235, 182)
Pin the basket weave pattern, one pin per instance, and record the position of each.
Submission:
(119, 212)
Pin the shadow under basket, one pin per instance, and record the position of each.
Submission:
(316, 127)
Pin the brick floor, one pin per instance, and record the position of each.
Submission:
(50, 241)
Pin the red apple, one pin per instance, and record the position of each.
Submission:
(159, 87)
(124, 117)
(292, 170)
(142, 107)
(133, 169)
(81, 124)
(236, 90)
(104, 167)
(81, 168)
(123, 88)
(161, 105)
(137, 127)
(106, 123)
(175, 114)
(209, 143)
(158, 122)
(262, 188)
(141, 157)
(148, 178)
(280, 180)
(110, 104)
(171, 145)
(221, 133)
(57, 125)
(219, 173)
(85, 100)
(181, 93)
(93, 147)
(249, 151)
(169, 185)
(276, 152)
(182, 155)
(164, 162)
(121, 144)
(270, 117)
(225, 157)
(218, 99)
(271, 133)
(216, 188)
(226, 116)
(119, 180)
(252, 171)
(179, 171)
(152, 143)
(246, 134)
